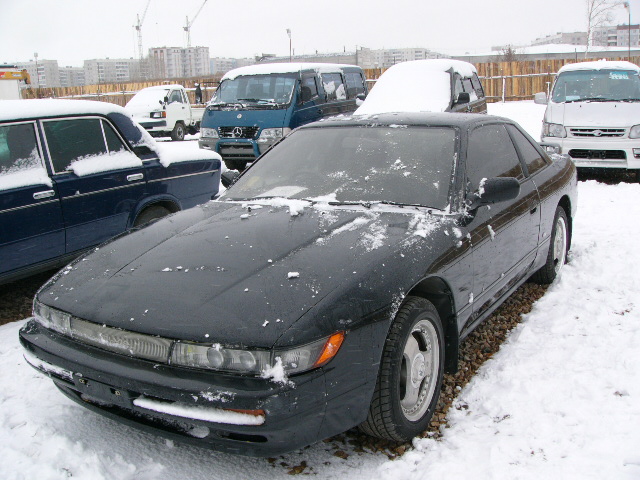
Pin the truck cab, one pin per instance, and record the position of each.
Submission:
(164, 111)
(255, 106)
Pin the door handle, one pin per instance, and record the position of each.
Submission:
(134, 177)
(45, 194)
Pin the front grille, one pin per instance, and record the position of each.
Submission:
(238, 132)
(237, 151)
(598, 154)
(597, 132)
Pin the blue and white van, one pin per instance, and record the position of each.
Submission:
(255, 106)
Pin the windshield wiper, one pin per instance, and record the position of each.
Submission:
(353, 202)
(258, 100)
(225, 104)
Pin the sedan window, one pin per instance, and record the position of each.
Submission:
(531, 156)
(396, 164)
(18, 148)
(69, 140)
(491, 154)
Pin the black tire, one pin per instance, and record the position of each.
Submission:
(638, 176)
(150, 214)
(393, 414)
(239, 165)
(558, 249)
(178, 132)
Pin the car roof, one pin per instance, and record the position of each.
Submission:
(42, 108)
(600, 65)
(411, 118)
(268, 68)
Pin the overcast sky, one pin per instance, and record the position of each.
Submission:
(71, 31)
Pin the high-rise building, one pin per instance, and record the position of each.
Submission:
(562, 38)
(111, 70)
(616, 36)
(71, 76)
(178, 62)
(43, 73)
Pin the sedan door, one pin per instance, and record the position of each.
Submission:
(99, 180)
(504, 235)
(30, 212)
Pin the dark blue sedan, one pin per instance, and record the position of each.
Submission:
(76, 173)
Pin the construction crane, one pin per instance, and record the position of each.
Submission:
(187, 26)
(138, 27)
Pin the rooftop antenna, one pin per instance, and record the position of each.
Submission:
(187, 26)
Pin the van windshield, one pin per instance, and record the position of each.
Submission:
(256, 91)
(597, 86)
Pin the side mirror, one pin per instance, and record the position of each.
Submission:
(361, 96)
(229, 177)
(494, 190)
(463, 97)
(540, 98)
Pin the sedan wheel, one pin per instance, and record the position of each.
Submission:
(410, 375)
(557, 256)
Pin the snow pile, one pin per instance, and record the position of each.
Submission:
(417, 86)
(175, 152)
(25, 178)
(92, 164)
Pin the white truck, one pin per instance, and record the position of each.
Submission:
(165, 110)
(593, 115)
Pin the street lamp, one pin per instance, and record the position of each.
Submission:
(35, 56)
(290, 54)
(628, 7)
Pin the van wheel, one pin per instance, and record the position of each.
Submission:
(239, 165)
(150, 214)
(410, 376)
(178, 132)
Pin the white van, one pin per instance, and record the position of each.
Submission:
(593, 114)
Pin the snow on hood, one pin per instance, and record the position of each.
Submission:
(417, 86)
(268, 68)
(600, 65)
(593, 114)
(39, 108)
(222, 272)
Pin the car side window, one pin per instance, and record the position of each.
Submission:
(457, 87)
(114, 144)
(490, 154)
(18, 148)
(175, 97)
(308, 88)
(531, 156)
(477, 86)
(69, 140)
(355, 84)
(333, 86)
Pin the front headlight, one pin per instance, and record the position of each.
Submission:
(52, 318)
(272, 134)
(159, 114)
(209, 133)
(553, 130)
(634, 132)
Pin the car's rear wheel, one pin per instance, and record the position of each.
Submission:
(150, 214)
(410, 375)
(557, 256)
(178, 132)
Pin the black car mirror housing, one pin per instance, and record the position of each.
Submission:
(494, 190)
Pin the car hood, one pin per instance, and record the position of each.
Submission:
(593, 114)
(231, 273)
(262, 118)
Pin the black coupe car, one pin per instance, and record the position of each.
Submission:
(329, 287)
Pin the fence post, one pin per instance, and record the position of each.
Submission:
(504, 87)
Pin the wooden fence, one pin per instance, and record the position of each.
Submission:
(501, 80)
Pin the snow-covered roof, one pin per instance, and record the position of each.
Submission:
(39, 108)
(267, 68)
(164, 87)
(600, 65)
(417, 86)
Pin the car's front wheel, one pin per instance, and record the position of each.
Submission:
(410, 375)
(557, 256)
(178, 132)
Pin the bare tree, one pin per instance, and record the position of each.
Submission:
(508, 54)
(599, 13)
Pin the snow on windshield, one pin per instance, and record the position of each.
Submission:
(408, 166)
(418, 86)
(148, 97)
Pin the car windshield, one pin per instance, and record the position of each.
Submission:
(256, 90)
(406, 165)
(597, 85)
(148, 97)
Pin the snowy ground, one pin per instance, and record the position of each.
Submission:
(560, 400)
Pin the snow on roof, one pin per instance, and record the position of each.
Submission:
(600, 65)
(267, 68)
(417, 86)
(163, 87)
(24, 109)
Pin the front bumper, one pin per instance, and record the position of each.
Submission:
(152, 125)
(600, 152)
(158, 397)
